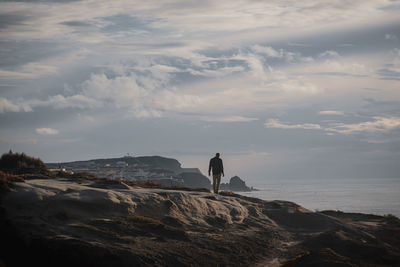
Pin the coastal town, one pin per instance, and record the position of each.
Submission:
(127, 168)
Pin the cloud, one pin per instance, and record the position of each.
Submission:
(47, 131)
(389, 74)
(56, 101)
(272, 123)
(170, 100)
(74, 101)
(139, 95)
(228, 62)
(29, 70)
(217, 73)
(300, 85)
(122, 92)
(153, 83)
(8, 106)
(331, 112)
(341, 67)
(371, 89)
(143, 87)
(329, 54)
(77, 23)
(379, 124)
(331, 65)
(268, 51)
(391, 71)
(282, 54)
(395, 55)
(228, 119)
(173, 19)
(14, 140)
(391, 37)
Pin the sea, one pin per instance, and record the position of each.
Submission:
(380, 196)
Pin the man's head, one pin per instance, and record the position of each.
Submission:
(217, 155)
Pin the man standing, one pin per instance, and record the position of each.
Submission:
(217, 170)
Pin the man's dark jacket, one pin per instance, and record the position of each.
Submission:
(216, 166)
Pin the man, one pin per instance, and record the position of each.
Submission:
(217, 170)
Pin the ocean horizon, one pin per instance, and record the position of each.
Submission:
(378, 196)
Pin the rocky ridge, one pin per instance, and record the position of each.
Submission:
(78, 222)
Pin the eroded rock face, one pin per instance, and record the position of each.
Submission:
(65, 223)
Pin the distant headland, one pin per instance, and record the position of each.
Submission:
(166, 171)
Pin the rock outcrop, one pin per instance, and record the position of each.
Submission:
(195, 180)
(235, 184)
(70, 222)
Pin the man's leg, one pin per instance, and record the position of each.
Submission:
(216, 181)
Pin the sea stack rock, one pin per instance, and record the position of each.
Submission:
(237, 184)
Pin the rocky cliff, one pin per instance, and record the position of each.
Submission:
(78, 222)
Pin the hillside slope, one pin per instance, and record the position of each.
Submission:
(153, 161)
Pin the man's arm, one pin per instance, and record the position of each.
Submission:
(209, 168)
(222, 168)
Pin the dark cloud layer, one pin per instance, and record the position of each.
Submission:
(15, 53)
(12, 19)
(388, 74)
(40, 1)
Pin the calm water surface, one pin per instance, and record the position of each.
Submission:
(377, 196)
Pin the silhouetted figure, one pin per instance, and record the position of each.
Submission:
(217, 168)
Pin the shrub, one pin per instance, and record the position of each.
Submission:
(31, 176)
(19, 163)
(391, 217)
(77, 175)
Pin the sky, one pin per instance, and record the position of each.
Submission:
(282, 89)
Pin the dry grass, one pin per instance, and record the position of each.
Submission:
(6, 180)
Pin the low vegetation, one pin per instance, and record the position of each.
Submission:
(6, 180)
(76, 175)
(20, 163)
